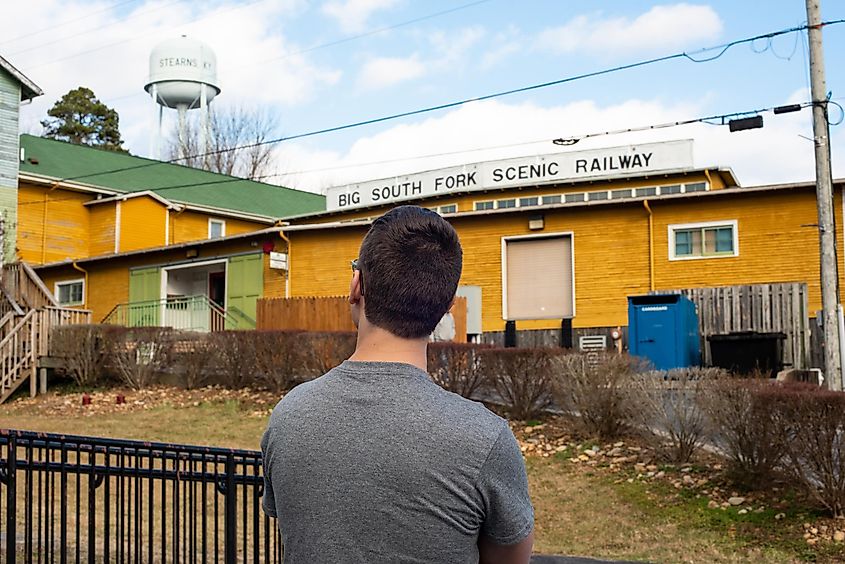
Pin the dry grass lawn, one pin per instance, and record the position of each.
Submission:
(578, 512)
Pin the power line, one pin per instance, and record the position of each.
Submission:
(341, 40)
(95, 49)
(86, 32)
(65, 23)
(721, 48)
(568, 141)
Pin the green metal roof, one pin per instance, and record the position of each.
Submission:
(98, 167)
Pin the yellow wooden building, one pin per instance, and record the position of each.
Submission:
(568, 235)
(145, 241)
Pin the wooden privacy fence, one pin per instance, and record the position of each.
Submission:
(328, 314)
(766, 308)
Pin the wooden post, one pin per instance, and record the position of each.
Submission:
(43, 377)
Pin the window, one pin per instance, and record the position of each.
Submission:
(574, 198)
(488, 205)
(216, 228)
(523, 202)
(547, 200)
(646, 192)
(703, 240)
(672, 189)
(616, 194)
(450, 208)
(597, 196)
(71, 292)
(695, 187)
(505, 204)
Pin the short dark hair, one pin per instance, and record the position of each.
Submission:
(410, 263)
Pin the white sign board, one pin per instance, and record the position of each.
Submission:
(523, 171)
(278, 261)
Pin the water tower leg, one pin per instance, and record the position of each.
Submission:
(155, 134)
(204, 133)
(182, 109)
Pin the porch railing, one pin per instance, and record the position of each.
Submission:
(190, 313)
(68, 498)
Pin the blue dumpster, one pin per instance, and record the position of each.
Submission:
(664, 329)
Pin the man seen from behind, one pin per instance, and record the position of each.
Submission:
(375, 463)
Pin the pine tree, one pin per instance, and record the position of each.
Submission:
(80, 117)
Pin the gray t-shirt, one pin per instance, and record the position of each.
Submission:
(374, 462)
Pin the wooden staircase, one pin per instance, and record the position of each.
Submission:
(28, 313)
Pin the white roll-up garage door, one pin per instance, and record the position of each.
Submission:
(537, 278)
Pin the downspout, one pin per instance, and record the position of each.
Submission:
(287, 274)
(85, 284)
(709, 180)
(650, 245)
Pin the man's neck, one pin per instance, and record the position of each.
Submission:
(377, 345)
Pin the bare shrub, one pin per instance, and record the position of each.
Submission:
(456, 367)
(193, 359)
(521, 377)
(139, 355)
(280, 358)
(815, 449)
(595, 389)
(669, 411)
(325, 350)
(234, 358)
(747, 422)
(83, 351)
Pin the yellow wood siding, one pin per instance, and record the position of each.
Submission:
(610, 252)
(274, 280)
(319, 260)
(102, 228)
(52, 224)
(142, 223)
(193, 226)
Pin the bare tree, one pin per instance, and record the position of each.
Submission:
(235, 142)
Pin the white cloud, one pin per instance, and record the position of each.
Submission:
(352, 15)
(448, 53)
(382, 72)
(664, 27)
(504, 44)
(109, 53)
(773, 154)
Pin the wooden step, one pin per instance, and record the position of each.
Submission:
(27, 373)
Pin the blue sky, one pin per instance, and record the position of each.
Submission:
(267, 60)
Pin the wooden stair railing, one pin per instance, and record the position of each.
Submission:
(28, 314)
(18, 356)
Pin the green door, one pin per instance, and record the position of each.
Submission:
(144, 297)
(244, 285)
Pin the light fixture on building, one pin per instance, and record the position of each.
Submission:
(192, 253)
(536, 222)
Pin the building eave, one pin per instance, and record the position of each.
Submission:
(724, 192)
(727, 172)
(29, 89)
(160, 249)
(115, 195)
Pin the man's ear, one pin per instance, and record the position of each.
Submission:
(355, 288)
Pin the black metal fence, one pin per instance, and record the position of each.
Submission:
(77, 499)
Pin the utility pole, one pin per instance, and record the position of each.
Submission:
(824, 199)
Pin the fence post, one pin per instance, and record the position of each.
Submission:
(11, 499)
(230, 504)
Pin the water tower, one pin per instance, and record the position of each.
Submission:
(183, 75)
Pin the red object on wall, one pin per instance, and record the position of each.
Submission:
(120, 399)
(268, 247)
(86, 399)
